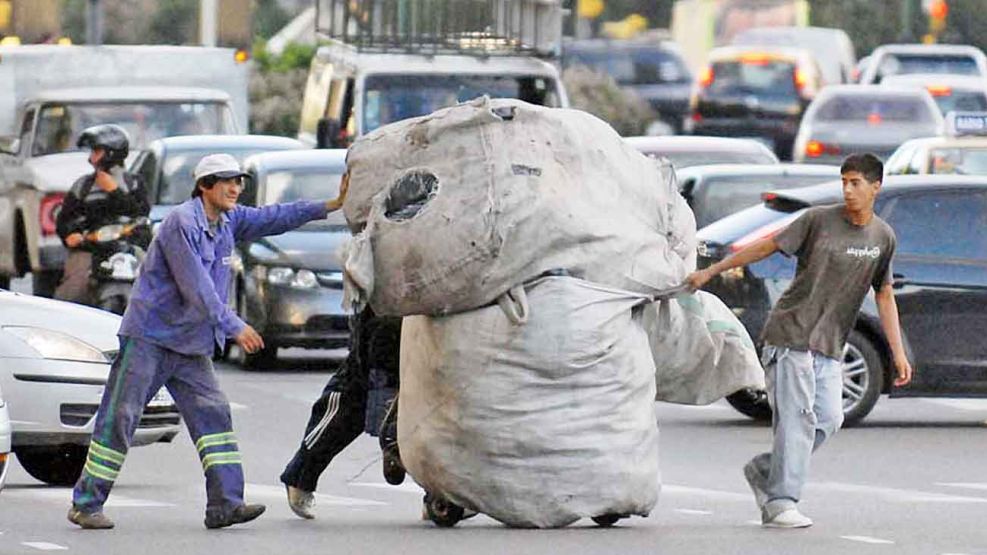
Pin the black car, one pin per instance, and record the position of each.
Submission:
(653, 70)
(940, 285)
(754, 92)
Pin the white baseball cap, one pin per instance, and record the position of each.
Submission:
(223, 166)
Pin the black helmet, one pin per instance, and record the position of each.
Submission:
(112, 138)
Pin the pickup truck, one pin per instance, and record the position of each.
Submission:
(49, 94)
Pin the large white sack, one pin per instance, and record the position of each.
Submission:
(540, 424)
(503, 200)
(701, 350)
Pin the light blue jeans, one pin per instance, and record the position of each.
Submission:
(805, 389)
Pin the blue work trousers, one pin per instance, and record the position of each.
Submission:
(139, 371)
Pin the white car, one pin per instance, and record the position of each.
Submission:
(4, 441)
(54, 362)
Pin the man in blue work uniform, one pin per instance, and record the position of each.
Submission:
(176, 317)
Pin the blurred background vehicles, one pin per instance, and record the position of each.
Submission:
(754, 92)
(899, 59)
(56, 91)
(5, 450)
(951, 92)
(832, 48)
(652, 70)
(963, 151)
(716, 191)
(291, 286)
(845, 119)
(685, 151)
(54, 360)
(939, 284)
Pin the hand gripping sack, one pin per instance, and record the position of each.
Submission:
(535, 424)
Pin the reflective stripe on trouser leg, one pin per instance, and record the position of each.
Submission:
(134, 374)
(206, 412)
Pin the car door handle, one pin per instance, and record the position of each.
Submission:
(898, 281)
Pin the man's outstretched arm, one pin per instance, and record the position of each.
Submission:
(756, 251)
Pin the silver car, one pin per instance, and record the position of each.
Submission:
(291, 286)
(900, 59)
(54, 361)
(848, 119)
(698, 150)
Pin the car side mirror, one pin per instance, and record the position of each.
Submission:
(10, 145)
(326, 133)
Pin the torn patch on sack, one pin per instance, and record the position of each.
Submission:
(521, 169)
(409, 195)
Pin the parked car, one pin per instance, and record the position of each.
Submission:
(940, 286)
(951, 92)
(653, 70)
(716, 191)
(962, 151)
(54, 361)
(754, 92)
(845, 119)
(685, 151)
(5, 459)
(291, 287)
(898, 59)
(832, 48)
(166, 165)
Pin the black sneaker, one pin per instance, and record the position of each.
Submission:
(239, 515)
(89, 521)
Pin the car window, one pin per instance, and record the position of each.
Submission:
(176, 173)
(940, 224)
(724, 195)
(900, 64)
(754, 76)
(874, 109)
(289, 186)
(147, 166)
(970, 101)
(961, 161)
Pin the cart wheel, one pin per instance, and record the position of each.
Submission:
(606, 521)
(441, 511)
(393, 469)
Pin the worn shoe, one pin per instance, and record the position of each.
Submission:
(756, 480)
(301, 502)
(89, 521)
(789, 518)
(239, 515)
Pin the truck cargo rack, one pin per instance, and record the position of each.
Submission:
(474, 27)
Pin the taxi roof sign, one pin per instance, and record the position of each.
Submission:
(966, 123)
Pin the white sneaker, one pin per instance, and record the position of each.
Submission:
(789, 518)
(754, 480)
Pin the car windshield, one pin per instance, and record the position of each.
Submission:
(59, 125)
(874, 109)
(900, 64)
(633, 67)
(289, 186)
(724, 195)
(757, 75)
(963, 161)
(971, 101)
(391, 98)
(176, 181)
(686, 159)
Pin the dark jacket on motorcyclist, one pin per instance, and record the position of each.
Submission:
(88, 205)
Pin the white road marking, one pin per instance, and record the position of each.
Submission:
(868, 539)
(45, 546)
(260, 490)
(694, 512)
(755, 522)
(238, 406)
(963, 485)
(64, 496)
(718, 406)
(972, 405)
(894, 494)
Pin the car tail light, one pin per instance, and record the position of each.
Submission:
(874, 119)
(696, 117)
(815, 149)
(763, 232)
(706, 77)
(939, 90)
(48, 212)
(801, 79)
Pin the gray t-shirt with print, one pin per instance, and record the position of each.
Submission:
(837, 263)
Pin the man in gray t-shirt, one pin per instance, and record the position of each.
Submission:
(842, 251)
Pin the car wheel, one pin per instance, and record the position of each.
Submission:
(752, 403)
(863, 377)
(58, 466)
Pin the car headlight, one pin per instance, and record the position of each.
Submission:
(57, 345)
(302, 279)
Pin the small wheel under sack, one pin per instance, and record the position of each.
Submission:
(606, 521)
(441, 511)
(394, 471)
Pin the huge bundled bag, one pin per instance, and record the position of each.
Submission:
(457, 207)
(538, 410)
(701, 350)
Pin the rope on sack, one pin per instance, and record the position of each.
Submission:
(514, 303)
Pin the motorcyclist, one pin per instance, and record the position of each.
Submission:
(97, 199)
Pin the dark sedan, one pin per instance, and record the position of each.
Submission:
(291, 286)
(940, 284)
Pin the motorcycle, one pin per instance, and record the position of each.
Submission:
(117, 252)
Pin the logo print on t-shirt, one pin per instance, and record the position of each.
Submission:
(864, 252)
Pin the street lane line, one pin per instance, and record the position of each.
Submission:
(238, 406)
(64, 496)
(261, 490)
(45, 546)
(963, 485)
(694, 512)
(894, 494)
(868, 539)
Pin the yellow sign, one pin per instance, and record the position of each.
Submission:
(5, 12)
(590, 9)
